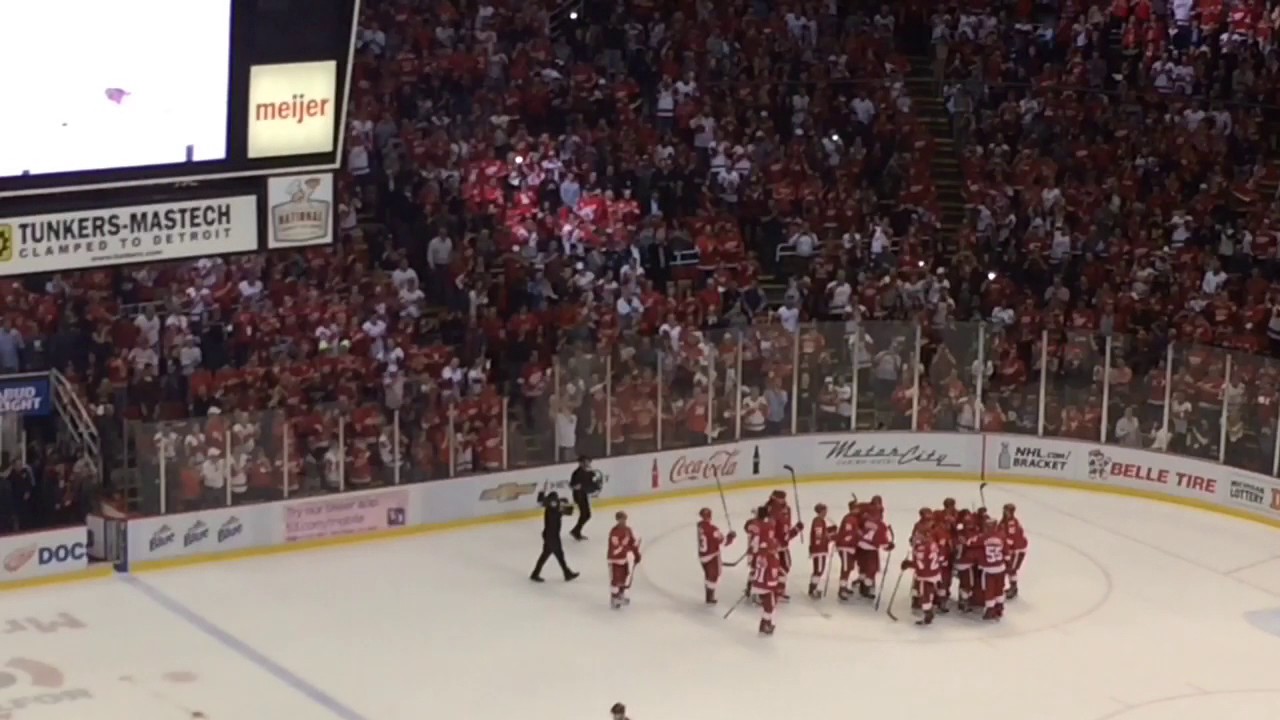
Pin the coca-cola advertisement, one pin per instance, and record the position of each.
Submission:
(709, 464)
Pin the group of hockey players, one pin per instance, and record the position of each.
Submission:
(948, 546)
(968, 549)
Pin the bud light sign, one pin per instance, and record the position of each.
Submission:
(24, 395)
(55, 552)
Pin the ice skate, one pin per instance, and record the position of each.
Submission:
(927, 619)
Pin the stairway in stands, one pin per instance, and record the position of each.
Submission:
(926, 98)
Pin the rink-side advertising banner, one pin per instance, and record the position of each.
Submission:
(54, 552)
(28, 396)
(293, 109)
(115, 236)
(301, 210)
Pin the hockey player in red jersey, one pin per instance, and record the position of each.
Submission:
(623, 554)
(926, 562)
(874, 535)
(847, 546)
(925, 519)
(993, 563)
(785, 532)
(710, 540)
(942, 533)
(758, 529)
(766, 579)
(967, 553)
(1017, 539)
(821, 536)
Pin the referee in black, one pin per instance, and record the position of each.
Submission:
(582, 483)
(551, 545)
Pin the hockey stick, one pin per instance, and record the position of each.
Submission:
(897, 584)
(982, 493)
(735, 605)
(884, 579)
(723, 503)
(734, 563)
(795, 489)
(826, 577)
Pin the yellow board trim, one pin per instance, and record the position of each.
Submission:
(755, 484)
(90, 573)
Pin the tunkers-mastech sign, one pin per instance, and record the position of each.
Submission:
(115, 236)
(858, 453)
(1031, 458)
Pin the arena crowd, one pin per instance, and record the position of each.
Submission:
(585, 228)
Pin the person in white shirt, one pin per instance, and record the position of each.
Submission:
(439, 252)
(213, 473)
(189, 355)
(1128, 431)
(376, 328)
(412, 299)
(1214, 278)
(143, 356)
(452, 378)
(1160, 438)
(628, 307)
(148, 326)
(804, 241)
(840, 296)
(863, 109)
(250, 289)
(671, 331)
(755, 410)
(566, 433)
(403, 275)
(789, 316)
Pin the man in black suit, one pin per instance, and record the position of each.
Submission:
(553, 511)
(583, 484)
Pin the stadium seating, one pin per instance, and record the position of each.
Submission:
(592, 228)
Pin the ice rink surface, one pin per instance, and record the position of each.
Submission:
(1130, 609)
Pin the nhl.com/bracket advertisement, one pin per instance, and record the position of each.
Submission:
(142, 233)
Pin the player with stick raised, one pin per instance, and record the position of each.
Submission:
(710, 540)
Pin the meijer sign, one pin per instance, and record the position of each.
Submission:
(293, 109)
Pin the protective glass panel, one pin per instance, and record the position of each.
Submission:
(948, 387)
(1073, 386)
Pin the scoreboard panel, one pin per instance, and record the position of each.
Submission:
(162, 91)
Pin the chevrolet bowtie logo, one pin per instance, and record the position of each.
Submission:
(508, 492)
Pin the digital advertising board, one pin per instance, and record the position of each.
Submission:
(159, 91)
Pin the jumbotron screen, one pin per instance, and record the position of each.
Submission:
(105, 93)
(122, 84)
